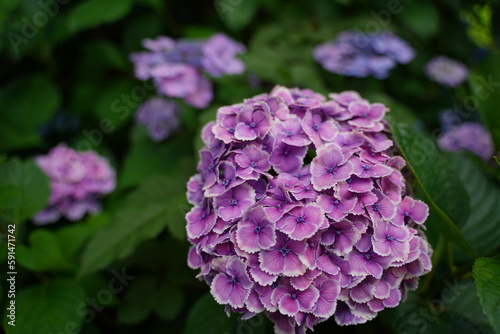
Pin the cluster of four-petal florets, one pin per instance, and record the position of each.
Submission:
(300, 210)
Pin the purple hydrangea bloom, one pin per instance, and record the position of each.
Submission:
(159, 116)
(304, 236)
(446, 71)
(469, 136)
(360, 55)
(178, 68)
(77, 181)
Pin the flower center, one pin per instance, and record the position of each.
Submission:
(285, 152)
(234, 202)
(366, 167)
(315, 127)
(253, 164)
(225, 182)
(211, 167)
(331, 170)
(293, 295)
(233, 280)
(284, 251)
(349, 180)
(389, 237)
(231, 130)
(376, 207)
(288, 134)
(406, 214)
(257, 229)
(367, 256)
(252, 125)
(300, 219)
(337, 232)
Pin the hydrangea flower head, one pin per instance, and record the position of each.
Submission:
(299, 211)
(468, 136)
(77, 181)
(179, 68)
(360, 55)
(159, 116)
(446, 71)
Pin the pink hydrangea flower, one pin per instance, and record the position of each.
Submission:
(300, 211)
(77, 181)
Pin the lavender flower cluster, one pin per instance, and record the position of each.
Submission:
(301, 211)
(361, 55)
(446, 71)
(160, 117)
(469, 136)
(178, 67)
(77, 181)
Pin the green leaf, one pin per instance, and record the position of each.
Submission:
(51, 307)
(25, 105)
(168, 301)
(236, 14)
(481, 227)
(159, 157)
(32, 188)
(444, 191)
(487, 277)
(138, 300)
(145, 213)
(110, 109)
(72, 238)
(422, 18)
(208, 317)
(10, 196)
(43, 254)
(497, 160)
(93, 13)
(417, 316)
(485, 84)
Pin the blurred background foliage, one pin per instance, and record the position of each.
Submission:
(66, 77)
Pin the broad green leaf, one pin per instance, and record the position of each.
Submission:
(10, 196)
(93, 13)
(207, 317)
(422, 18)
(236, 14)
(138, 300)
(108, 53)
(50, 307)
(168, 301)
(32, 186)
(43, 254)
(486, 98)
(112, 109)
(145, 213)
(168, 157)
(481, 227)
(444, 191)
(25, 104)
(487, 277)
(416, 316)
(73, 237)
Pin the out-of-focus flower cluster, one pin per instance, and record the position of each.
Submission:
(301, 211)
(159, 116)
(361, 55)
(446, 71)
(179, 68)
(77, 181)
(468, 136)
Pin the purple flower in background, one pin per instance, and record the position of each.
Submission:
(219, 56)
(159, 116)
(361, 55)
(446, 71)
(299, 210)
(178, 68)
(77, 181)
(469, 136)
